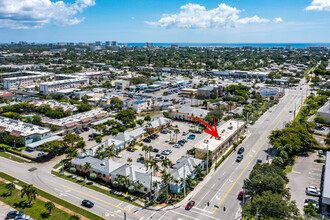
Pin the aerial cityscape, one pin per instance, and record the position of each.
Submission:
(171, 110)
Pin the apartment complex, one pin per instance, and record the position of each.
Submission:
(26, 80)
(28, 132)
(51, 87)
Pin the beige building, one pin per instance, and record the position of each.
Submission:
(229, 133)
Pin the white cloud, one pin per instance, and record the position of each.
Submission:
(25, 14)
(196, 16)
(278, 20)
(319, 5)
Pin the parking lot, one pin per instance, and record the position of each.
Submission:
(306, 172)
(162, 143)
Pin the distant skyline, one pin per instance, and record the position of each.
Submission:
(160, 21)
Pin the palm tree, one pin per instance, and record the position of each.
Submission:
(87, 167)
(145, 149)
(166, 163)
(129, 160)
(170, 132)
(109, 150)
(230, 104)
(50, 207)
(176, 132)
(30, 192)
(150, 149)
(10, 187)
(74, 217)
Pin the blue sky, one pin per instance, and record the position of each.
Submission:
(206, 21)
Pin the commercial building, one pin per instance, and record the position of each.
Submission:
(28, 132)
(188, 92)
(122, 84)
(324, 112)
(98, 43)
(28, 79)
(52, 87)
(229, 133)
(153, 88)
(114, 43)
(140, 87)
(78, 121)
(186, 111)
(206, 91)
(138, 106)
(55, 105)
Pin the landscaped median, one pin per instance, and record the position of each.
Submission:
(98, 189)
(38, 210)
(12, 157)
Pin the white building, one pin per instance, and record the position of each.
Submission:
(51, 87)
(324, 111)
(138, 106)
(27, 80)
(186, 111)
(29, 133)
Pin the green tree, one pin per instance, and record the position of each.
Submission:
(176, 132)
(82, 107)
(98, 139)
(218, 114)
(74, 217)
(147, 118)
(100, 127)
(30, 192)
(10, 187)
(72, 139)
(320, 120)
(114, 132)
(50, 207)
(140, 122)
(126, 116)
(36, 119)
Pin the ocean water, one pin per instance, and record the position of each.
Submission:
(240, 45)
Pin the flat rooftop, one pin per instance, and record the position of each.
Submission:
(326, 183)
(325, 108)
(19, 128)
(224, 132)
(63, 81)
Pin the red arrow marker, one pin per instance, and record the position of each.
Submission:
(212, 131)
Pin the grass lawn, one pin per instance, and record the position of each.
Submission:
(36, 211)
(55, 199)
(106, 192)
(12, 157)
(150, 113)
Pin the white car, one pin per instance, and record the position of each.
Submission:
(22, 217)
(118, 155)
(165, 152)
(313, 188)
(313, 192)
(169, 150)
(185, 132)
(176, 145)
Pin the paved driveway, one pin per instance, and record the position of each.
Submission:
(305, 173)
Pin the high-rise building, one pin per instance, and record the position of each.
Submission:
(149, 44)
(114, 43)
(107, 43)
(98, 43)
(124, 44)
(82, 44)
(289, 47)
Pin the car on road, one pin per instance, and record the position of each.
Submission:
(239, 158)
(240, 150)
(118, 155)
(130, 149)
(156, 150)
(240, 195)
(315, 203)
(192, 136)
(147, 140)
(190, 205)
(87, 203)
(13, 214)
(22, 217)
(259, 161)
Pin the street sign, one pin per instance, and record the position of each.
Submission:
(216, 206)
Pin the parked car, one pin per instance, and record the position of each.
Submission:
(78, 132)
(82, 130)
(135, 147)
(240, 195)
(314, 188)
(87, 203)
(165, 131)
(86, 129)
(176, 145)
(165, 152)
(118, 155)
(192, 136)
(160, 156)
(156, 150)
(239, 158)
(41, 154)
(130, 149)
(185, 132)
(312, 192)
(259, 161)
(315, 203)
(169, 150)
(184, 140)
(30, 149)
(147, 140)
(190, 205)
(22, 217)
(180, 143)
(240, 150)
(13, 214)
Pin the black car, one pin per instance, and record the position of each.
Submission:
(30, 149)
(240, 150)
(152, 137)
(239, 158)
(160, 156)
(156, 150)
(147, 140)
(86, 129)
(87, 203)
(14, 214)
(181, 143)
(130, 149)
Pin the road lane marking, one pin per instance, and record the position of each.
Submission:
(202, 198)
(192, 210)
(204, 210)
(101, 200)
(178, 213)
(163, 215)
(232, 186)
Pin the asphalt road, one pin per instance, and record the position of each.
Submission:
(221, 189)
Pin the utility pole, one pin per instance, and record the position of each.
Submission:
(184, 180)
(207, 159)
(125, 215)
(257, 214)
